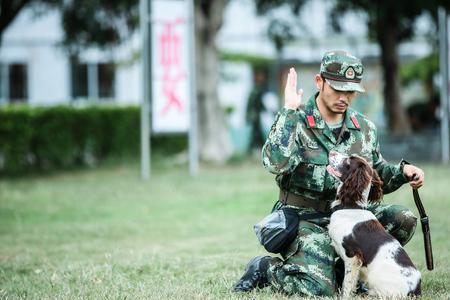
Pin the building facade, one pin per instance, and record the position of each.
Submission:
(35, 69)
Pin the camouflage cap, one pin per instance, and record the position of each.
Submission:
(342, 71)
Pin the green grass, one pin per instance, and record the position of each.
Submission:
(105, 234)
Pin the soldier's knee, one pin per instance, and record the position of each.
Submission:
(410, 223)
(406, 226)
(292, 280)
(308, 288)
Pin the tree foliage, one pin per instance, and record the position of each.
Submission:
(98, 23)
(389, 22)
(264, 6)
(401, 13)
(280, 31)
(422, 69)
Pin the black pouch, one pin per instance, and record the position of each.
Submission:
(278, 230)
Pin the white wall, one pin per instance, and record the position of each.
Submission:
(49, 76)
(236, 83)
(128, 84)
(33, 41)
(245, 32)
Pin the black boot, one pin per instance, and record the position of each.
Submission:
(362, 289)
(255, 275)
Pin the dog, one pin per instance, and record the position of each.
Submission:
(370, 254)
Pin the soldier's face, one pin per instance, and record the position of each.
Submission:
(334, 101)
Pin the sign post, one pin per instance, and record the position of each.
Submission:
(173, 73)
(168, 75)
(170, 67)
(146, 87)
(444, 70)
(193, 128)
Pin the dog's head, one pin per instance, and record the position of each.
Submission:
(360, 183)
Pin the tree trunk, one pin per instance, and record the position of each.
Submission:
(387, 35)
(214, 140)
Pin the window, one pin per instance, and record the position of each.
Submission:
(106, 80)
(79, 81)
(93, 81)
(13, 82)
(18, 83)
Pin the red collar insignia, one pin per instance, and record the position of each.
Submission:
(311, 121)
(355, 121)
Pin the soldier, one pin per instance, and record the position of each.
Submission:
(255, 107)
(297, 152)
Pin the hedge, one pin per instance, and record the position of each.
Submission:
(60, 137)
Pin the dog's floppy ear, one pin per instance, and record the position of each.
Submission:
(354, 185)
(376, 191)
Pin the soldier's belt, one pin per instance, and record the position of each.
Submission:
(288, 198)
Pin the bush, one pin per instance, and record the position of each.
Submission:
(49, 138)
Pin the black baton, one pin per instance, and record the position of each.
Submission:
(425, 229)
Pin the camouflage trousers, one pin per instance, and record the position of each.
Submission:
(308, 265)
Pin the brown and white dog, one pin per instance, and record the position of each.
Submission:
(369, 253)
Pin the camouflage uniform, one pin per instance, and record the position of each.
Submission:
(297, 152)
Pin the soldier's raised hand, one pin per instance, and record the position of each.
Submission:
(292, 97)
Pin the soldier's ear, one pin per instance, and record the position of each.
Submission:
(319, 82)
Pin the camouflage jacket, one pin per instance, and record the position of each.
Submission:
(298, 145)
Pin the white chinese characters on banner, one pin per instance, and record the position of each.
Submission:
(170, 74)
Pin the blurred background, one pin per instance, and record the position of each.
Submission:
(76, 219)
(70, 76)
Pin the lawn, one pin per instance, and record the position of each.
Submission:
(106, 234)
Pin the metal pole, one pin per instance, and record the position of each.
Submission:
(145, 27)
(193, 126)
(443, 65)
